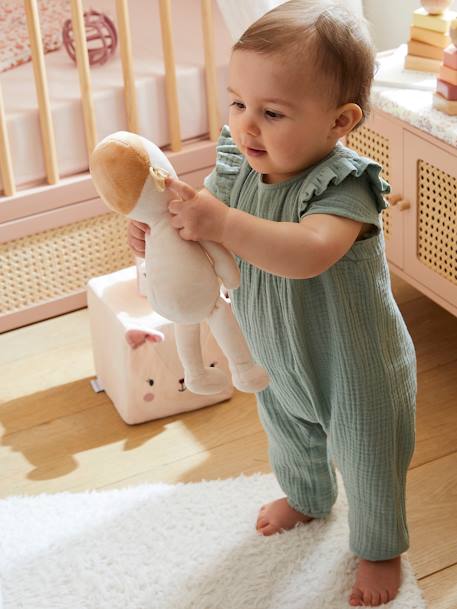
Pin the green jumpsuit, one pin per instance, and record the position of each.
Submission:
(341, 361)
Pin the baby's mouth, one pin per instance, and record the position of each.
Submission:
(255, 151)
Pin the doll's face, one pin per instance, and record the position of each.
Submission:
(273, 108)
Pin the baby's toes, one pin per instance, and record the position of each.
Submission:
(268, 529)
(356, 599)
(385, 596)
(375, 599)
(367, 597)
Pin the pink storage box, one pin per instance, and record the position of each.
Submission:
(147, 382)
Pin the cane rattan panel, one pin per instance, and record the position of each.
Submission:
(373, 145)
(58, 262)
(437, 220)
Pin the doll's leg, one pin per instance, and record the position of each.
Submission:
(197, 377)
(246, 374)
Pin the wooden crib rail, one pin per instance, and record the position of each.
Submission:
(125, 43)
(6, 166)
(41, 85)
(82, 59)
(210, 71)
(170, 74)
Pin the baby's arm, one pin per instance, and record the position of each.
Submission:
(136, 234)
(288, 249)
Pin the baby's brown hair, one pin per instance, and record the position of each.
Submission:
(323, 32)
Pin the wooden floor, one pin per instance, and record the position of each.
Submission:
(57, 434)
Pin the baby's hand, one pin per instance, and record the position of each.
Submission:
(136, 234)
(198, 216)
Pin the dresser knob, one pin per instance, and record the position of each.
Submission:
(393, 199)
(404, 204)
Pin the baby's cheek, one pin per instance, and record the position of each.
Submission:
(148, 397)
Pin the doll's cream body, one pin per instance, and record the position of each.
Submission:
(181, 276)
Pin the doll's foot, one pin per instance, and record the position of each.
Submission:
(377, 582)
(249, 377)
(208, 382)
(278, 516)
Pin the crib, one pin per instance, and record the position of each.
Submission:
(167, 81)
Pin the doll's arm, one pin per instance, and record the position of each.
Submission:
(224, 263)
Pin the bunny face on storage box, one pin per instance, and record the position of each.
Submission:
(157, 376)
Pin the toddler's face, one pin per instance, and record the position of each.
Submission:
(272, 110)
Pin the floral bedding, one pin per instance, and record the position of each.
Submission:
(14, 39)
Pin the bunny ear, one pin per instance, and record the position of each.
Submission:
(136, 338)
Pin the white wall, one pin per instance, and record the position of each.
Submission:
(390, 20)
(239, 14)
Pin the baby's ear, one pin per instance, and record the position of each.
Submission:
(347, 117)
(136, 338)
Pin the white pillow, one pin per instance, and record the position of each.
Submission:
(239, 14)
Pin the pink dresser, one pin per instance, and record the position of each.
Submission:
(417, 146)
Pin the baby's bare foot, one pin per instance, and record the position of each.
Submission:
(278, 516)
(377, 582)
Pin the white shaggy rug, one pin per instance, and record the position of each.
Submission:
(185, 546)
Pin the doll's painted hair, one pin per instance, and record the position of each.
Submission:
(323, 32)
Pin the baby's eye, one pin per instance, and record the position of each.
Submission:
(237, 104)
(272, 114)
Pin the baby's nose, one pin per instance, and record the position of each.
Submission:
(249, 125)
(252, 130)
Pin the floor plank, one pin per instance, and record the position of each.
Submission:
(440, 589)
(245, 456)
(436, 413)
(403, 292)
(45, 355)
(94, 447)
(432, 510)
(434, 332)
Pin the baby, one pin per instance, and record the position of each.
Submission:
(302, 213)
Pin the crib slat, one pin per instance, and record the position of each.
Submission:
(210, 69)
(170, 75)
(82, 60)
(6, 166)
(41, 86)
(127, 65)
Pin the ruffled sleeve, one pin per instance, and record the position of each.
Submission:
(345, 184)
(228, 164)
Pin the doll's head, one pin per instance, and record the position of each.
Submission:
(129, 173)
(299, 80)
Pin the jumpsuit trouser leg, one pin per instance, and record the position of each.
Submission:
(298, 457)
(371, 447)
